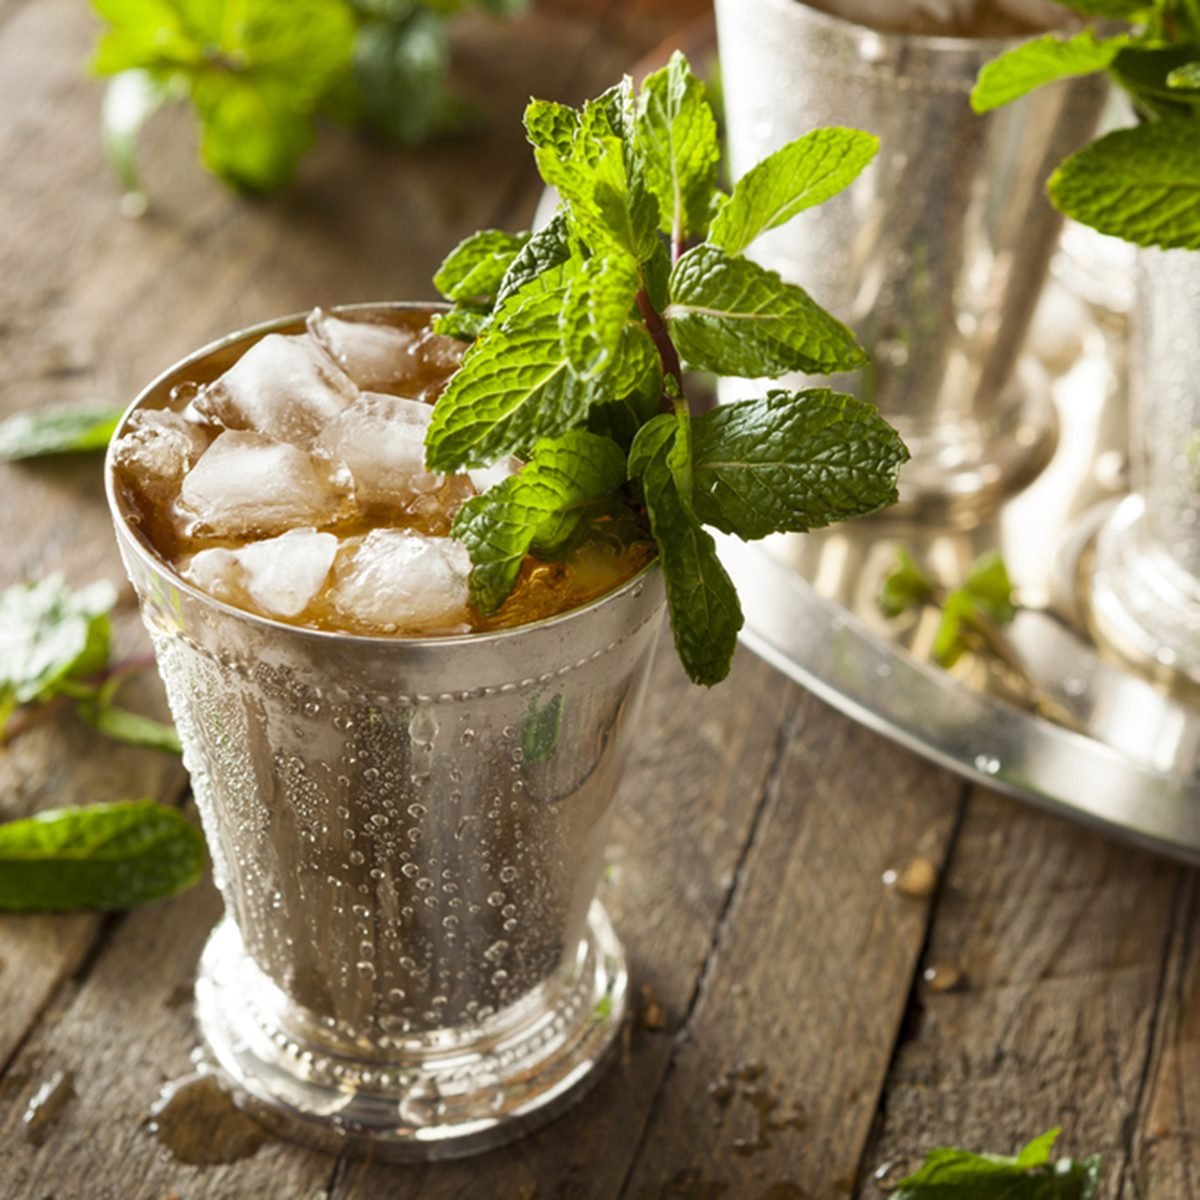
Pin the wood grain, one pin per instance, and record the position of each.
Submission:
(805, 988)
(1061, 936)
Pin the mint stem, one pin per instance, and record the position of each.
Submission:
(657, 329)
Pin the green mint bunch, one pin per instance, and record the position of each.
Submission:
(582, 332)
(1140, 184)
(258, 73)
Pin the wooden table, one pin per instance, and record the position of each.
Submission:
(789, 1041)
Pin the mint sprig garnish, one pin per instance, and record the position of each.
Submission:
(260, 73)
(582, 333)
(953, 1174)
(55, 651)
(1138, 184)
(105, 856)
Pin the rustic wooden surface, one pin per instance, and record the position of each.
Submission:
(789, 1043)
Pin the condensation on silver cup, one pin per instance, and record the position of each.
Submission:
(406, 805)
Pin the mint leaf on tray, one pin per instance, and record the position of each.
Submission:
(66, 430)
(581, 334)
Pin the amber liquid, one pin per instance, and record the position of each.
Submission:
(614, 549)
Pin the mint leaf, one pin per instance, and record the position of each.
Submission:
(596, 310)
(399, 69)
(49, 633)
(515, 386)
(1044, 60)
(905, 587)
(1140, 184)
(950, 642)
(464, 321)
(552, 125)
(1187, 76)
(733, 317)
(256, 71)
(989, 585)
(802, 174)
(106, 856)
(548, 248)
(610, 206)
(58, 431)
(124, 726)
(541, 505)
(677, 136)
(952, 1174)
(791, 462)
(474, 270)
(705, 613)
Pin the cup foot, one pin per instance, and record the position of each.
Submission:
(444, 1095)
(1140, 604)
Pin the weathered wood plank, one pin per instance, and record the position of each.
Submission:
(1165, 1162)
(1060, 935)
(775, 1077)
(687, 807)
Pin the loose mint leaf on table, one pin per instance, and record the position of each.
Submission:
(541, 507)
(705, 612)
(476, 267)
(48, 634)
(106, 856)
(58, 431)
(802, 174)
(952, 1174)
(1140, 184)
(732, 317)
(791, 462)
(991, 587)
(256, 72)
(1032, 64)
(124, 726)
(677, 136)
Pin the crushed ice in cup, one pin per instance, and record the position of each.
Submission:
(399, 579)
(285, 387)
(282, 576)
(485, 478)
(381, 441)
(371, 354)
(246, 483)
(158, 448)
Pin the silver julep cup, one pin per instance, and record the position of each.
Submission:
(408, 835)
(937, 254)
(1144, 587)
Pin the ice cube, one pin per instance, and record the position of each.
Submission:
(381, 441)
(400, 580)
(281, 576)
(157, 449)
(371, 354)
(285, 387)
(484, 478)
(246, 483)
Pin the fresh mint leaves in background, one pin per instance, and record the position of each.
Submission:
(55, 650)
(105, 856)
(953, 1174)
(1140, 184)
(259, 73)
(582, 332)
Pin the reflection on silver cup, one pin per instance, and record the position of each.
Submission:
(408, 835)
(1144, 590)
(943, 243)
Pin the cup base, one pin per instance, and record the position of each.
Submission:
(446, 1098)
(1140, 604)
